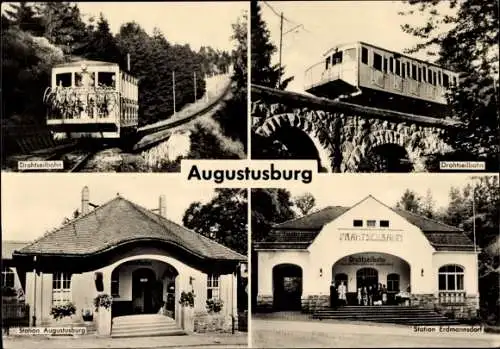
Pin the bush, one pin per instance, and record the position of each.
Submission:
(8, 292)
(187, 299)
(214, 305)
(61, 311)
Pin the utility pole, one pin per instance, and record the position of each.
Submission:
(173, 87)
(195, 86)
(281, 46)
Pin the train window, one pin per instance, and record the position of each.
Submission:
(327, 62)
(439, 78)
(337, 58)
(419, 77)
(446, 80)
(403, 70)
(377, 61)
(364, 55)
(63, 80)
(106, 79)
(350, 55)
(434, 78)
(398, 67)
(424, 73)
(385, 64)
(454, 81)
(84, 79)
(429, 76)
(414, 72)
(391, 65)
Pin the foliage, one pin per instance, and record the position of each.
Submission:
(103, 301)
(304, 202)
(8, 291)
(464, 35)
(63, 310)
(214, 305)
(223, 219)
(187, 299)
(206, 144)
(411, 202)
(269, 206)
(268, 148)
(263, 73)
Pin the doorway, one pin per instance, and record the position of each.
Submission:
(287, 285)
(366, 277)
(144, 289)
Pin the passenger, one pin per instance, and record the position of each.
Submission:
(364, 294)
(360, 297)
(342, 291)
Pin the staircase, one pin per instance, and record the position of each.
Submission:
(412, 316)
(144, 326)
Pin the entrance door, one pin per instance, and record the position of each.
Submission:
(143, 287)
(287, 282)
(366, 277)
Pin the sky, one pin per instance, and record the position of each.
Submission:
(326, 24)
(31, 204)
(348, 189)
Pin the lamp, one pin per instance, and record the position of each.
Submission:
(422, 272)
(320, 272)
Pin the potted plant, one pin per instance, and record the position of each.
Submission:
(87, 315)
(102, 304)
(103, 300)
(214, 305)
(62, 311)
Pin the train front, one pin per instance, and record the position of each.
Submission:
(84, 100)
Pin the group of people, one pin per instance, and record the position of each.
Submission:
(367, 295)
(372, 295)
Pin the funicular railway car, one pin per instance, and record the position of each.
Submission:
(368, 75)
(92, 99)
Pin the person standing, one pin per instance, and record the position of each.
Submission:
(384, 295)
(360, 297)
(364, 294)
(370, 295)
(333, 295)
(342, 291)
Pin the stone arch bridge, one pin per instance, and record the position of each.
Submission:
(345, 134)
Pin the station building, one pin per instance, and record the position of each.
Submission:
(433, 264)
(137, 256)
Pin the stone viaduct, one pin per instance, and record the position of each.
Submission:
(344, 134)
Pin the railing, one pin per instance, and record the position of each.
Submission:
(15, 315)
(452, 297)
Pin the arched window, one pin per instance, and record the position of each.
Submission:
(339, 278)
(451, 278)
(115, 283)
(393, 282)
(366, 277)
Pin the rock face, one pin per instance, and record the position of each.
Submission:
(345, 139)
(178, 145)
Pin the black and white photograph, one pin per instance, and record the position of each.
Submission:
(141, 261)
(380, 260)
(122, 86)
(376, 86)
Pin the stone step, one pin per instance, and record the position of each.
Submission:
(141, 319)
(169, 325)
(148, 333)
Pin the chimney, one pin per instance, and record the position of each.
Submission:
(163, 206)
(85, 200)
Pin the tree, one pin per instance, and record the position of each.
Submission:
(269, 206)
(223, 219)
(304, 202)
(466, 42)
(263, 72)
(205, 144)
(410, 201)
(101, 43)
(24, 16)
(428, 205)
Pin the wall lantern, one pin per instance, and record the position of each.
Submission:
(422, 272)
(320, 272)
(191, 279)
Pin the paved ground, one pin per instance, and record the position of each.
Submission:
(238, 340)
(297, 333)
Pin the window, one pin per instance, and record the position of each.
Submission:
(85, 79)
(327, 62)
(386, 62)
(403, 70)
(446, 80)
(454, 81)
(408, 69)
(63, 80)
(106, 79)
(357, 223)
(115, 283)
(337, 58)
(424, 73)
(377, 61)
(384, 224)
(391, 65)
(434, 78)
(393, 282)
(213, 289)
(414, 72)
(350, 55)
(364, 55)
(61, 288)
(419, 77)
(398, 67)
(451, 278)
(429, 76)
(7, 277)
(439, 78)
(371, 223)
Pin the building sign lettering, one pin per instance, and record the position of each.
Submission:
(371, 237)
(365, 260)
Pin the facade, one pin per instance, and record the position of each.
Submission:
(140, 258)
(432, 264)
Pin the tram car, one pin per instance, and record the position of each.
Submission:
(92, 99)
(365, 74)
